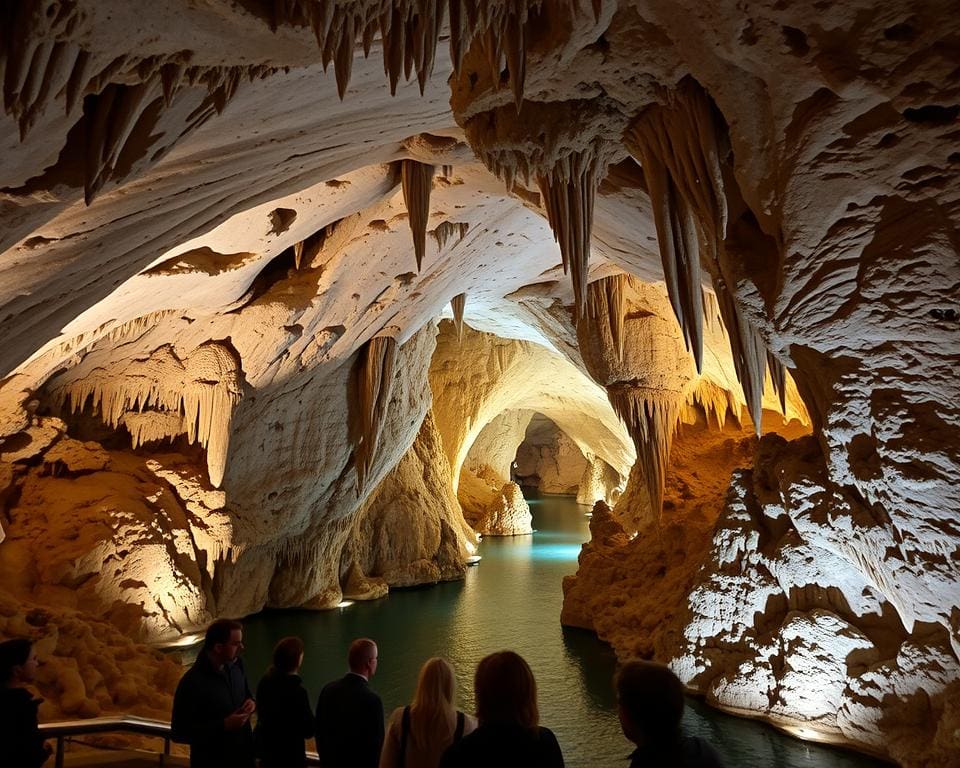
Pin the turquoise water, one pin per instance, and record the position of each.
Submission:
(512, 599)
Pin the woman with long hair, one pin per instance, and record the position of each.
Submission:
(20, 739)
(418, 734)
(284, 717)
(509, 733)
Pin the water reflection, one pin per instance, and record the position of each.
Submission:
(512, 599)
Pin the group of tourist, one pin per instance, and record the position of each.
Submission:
(213, 705)
(213, 708)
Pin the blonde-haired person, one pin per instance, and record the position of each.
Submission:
(418, 734)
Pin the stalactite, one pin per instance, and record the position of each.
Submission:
(374, 387)
(650, 417)
(458, 303)
(606, 304)
(417, 183)
(778, 377)
(448, 229)
(676, 145)
(714, 401)
(749, 352)
(199, 393)
(502, 357)
(568, 192)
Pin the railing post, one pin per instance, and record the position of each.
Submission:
(59, 760)
(166, 750)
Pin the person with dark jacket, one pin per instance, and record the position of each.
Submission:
(350, 715)
(20, 739)
(284, 717)
(509, 734)
(650, 701)
(213, 704)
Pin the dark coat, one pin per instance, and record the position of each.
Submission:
(349, 724)
(284, 721)
(505, 745)
(689, 752)
(205, 697)
(22, 745)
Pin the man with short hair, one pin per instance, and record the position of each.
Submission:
(650, 701)
(212, 705)
(350, 714)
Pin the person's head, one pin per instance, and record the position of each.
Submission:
(506, 691)
(288, 655)
(18, 662)
(436, 686)
(362, 657)
(223, 641)
(650, 699)
(433, 702)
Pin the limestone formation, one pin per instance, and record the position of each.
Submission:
(508, 515)
(219, 364)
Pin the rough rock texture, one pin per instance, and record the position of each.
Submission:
(507, 515)
(227, 233)
(638, 568)
(411, 530)
(781, 551)
(88, 667)
(548, 460)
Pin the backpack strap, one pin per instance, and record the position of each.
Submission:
(458, 734)
(404, 732)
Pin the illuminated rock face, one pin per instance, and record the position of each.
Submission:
(219, 285)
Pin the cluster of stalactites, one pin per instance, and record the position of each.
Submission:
(606, 307)
(568, 191)
(447, 230)
(374, 385)
(417, 183)
(162, 397)
(40, 65)
(410, 32)
(678, 146)
(651, 417)
(458, 304)
(715, 402)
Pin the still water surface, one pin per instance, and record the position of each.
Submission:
(512, 599)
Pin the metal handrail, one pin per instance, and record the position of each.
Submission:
(61, 730)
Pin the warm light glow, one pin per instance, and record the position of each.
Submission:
(344, 603)
(470, 546)
(473, 560)
(185, 641)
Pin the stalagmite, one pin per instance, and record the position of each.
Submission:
(676, 145)
(651, 417)
(375, 382)
(606, 304)
(458, 303)
(417, 182)
(568, 193)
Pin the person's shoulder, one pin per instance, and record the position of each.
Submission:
(545, 734)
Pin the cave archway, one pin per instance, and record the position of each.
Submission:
(549, 461)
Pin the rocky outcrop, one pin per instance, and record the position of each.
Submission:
(780, 552)
(411, 530)
(636, 571)
(507, 515)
